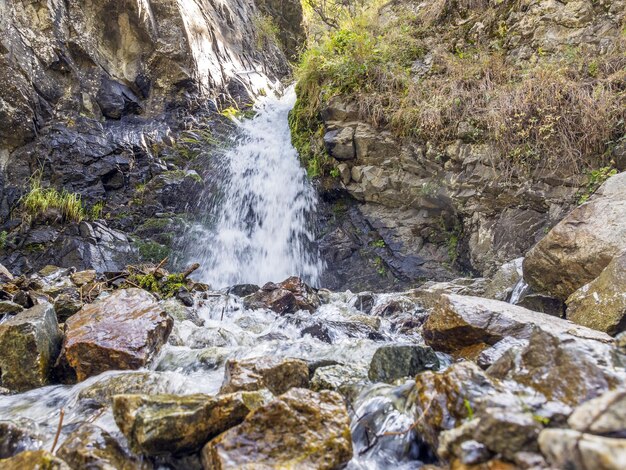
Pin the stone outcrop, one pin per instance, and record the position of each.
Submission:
(579, 247)
(29, 345)
(288, 296)
(308, 430)
(601, 304)
(122, 331)
(172, 424)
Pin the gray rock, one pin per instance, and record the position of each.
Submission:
(9, 308)
(490, 355)
(504, 280)
(507, 432)
(567, 448)
(30, 343)
(578, 249)
(275, 374)
(605, 415)
(344, 379)
(395, 362)
(340, 143)
(601, 304)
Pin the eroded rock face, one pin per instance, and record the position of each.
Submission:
(578, 249)
(301, 428)
(92, 447)
(30, 343)
(601, 304)
(275, 374)
(164, 424)
(122, 331)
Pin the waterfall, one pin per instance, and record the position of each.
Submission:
(260, 226)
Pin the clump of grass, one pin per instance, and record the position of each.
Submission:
(39, 201)
(267, 31)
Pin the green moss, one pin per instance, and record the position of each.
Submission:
(3, 239)
(595, 179)
(151, 251)
(380, 243)
(166, 287)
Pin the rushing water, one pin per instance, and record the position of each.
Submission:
(260, 228)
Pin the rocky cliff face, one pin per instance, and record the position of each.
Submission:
(452, 198)
(98, 98)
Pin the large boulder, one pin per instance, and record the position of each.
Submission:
(92, 447)
(300, 429)
(601, 304)
(164, 424)
(123, 331)
(604, 415)
(462, 325)
(573, 450)
(277, 375)
(565, 370)
(29, 345)
(579, 247)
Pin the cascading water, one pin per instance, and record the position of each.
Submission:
(261, 228)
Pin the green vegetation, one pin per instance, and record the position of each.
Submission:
(555, 110)
(165, 287)
(3, 239)
(469, 409)
(151, 251)
(39, 201)
(96, 210)
(380, 243)
(266, 32)
(379, 264)
(595, 180)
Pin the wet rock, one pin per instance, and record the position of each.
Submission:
(190, 361)
(100, 393)
(604, 415)
(179, 312)
(163, 424)
(344, 379)
(9, 308)
(331, 331)
(81, 278)
(123, 331)
(30, 343)
(601, 304)
(473, 452)
(243, 290)
(451, 440)
(502, 283)
(458, 324)
(364, 302)
(579, 247)
(67, 304)
(543, 303)
(18, 436)
(288, 296)
(301, 428)
(569, 371)
(395, 362)
(508, 432)
(92, 447)
(566, 448)
(211, 337)
(490, 355)
(277, 375)
(34, 459)
(444, 400)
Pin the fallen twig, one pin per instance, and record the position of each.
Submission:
(56, 437)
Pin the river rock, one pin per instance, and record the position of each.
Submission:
(29, 345)
(18, 436)
(459, 324)
(163, 424)
(94, 448)
(579, 247)
(277, 375)
(67, 304)
(605, 415)
(508, 432)
(299, 429)
(5, 275)
(9, 308)
(35, 460)
(122, 331)
(502, 283)
(288, 296)
(566, 370)
(601, 304)
(573, 450)
(489, 356)
(100, 393)
(391, 363)
(443, 400)
(344, 379)
(82, 278)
